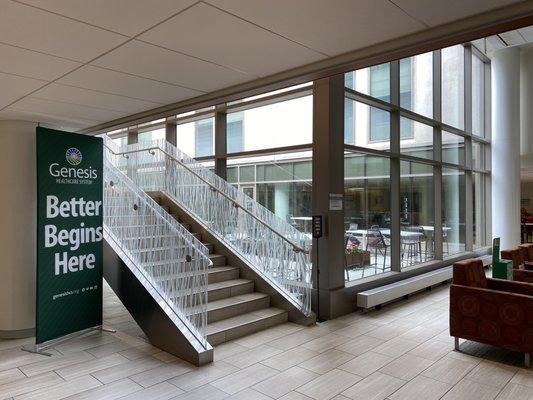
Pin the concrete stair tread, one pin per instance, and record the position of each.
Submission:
(234, 300)
(229, 283)
(243, 319)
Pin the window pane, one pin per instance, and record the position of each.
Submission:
(380, 82)
(416, 138)
(234, 127)
(453, 148)
(204, 137)
(367, 215)
(479, 195)
(282, 182)
(231, 175)
(187, 139)
(368, 126)
(453, 212)
(478, 97)
(453, 86)
(286, 123)
(416, 84)
(149, 136)
(478, 152)
(416, 213)
(246, 173)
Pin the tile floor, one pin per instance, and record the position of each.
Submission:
(400, 352)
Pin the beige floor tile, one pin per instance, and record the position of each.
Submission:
(357, 329)
(377, 386)
(11, 375)
(326, 342)
(360, 345)
(249, 394)
(469, 390)
(326, 361)
(449, 370)
(27, 385)
(56, 362)
(366, 364)
(206, 392)
(387, 332)
(252, 356)
(89, 367)
(396, 347)
(162, 373)
(292, 340)
(244, 378)
(111, 391)
(203, 375)
(289, 358)
(161, 391)
(285, 382)
(493, 374)
(62, 389)
(295, 396)
(257, 339)
(227, 349)
(406, 367)
(122, 371)
(432, 350)
(419, 334)
(421, 388)
(523, 377)
(514, 391)
(329, 385)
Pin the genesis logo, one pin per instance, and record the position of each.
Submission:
(73, 156)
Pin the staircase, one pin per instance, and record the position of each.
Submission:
(234, 308)
(195, 261)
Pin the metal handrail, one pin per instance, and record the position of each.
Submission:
(295, 247)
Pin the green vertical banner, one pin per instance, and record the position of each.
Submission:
(69, 233)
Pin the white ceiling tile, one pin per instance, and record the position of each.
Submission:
(63, 123)
(438, 12)
(513, 38)
(123, 16)
(527, 33)
(15, 60)
(65, 111)
(331, 27)
(242, 46)
(92, 98)
(153, 62)
(33, 29)
(14, 87)
(91, 77)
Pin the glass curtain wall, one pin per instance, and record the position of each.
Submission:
(259, 136)
(399, 115)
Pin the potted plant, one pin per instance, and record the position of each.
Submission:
(354, 255)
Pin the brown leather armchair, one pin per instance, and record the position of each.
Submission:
(491, 311)
(522, 267)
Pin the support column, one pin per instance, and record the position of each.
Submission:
(526, 105)
(18, 229)
(133, 136)
(221, 143)
(328, 179)
(506, 146)
(170, 134)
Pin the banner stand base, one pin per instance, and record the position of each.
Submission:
(39, 348)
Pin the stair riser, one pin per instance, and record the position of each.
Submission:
(218, 261)
(226, 292)
(237, 309)
(247, 329)
(210, 247)
(221, 276)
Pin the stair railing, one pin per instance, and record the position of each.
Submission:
(170, 262)
(272, 247)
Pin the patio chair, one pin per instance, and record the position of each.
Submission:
(376, 241)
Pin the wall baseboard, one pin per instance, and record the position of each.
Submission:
(19, 334)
